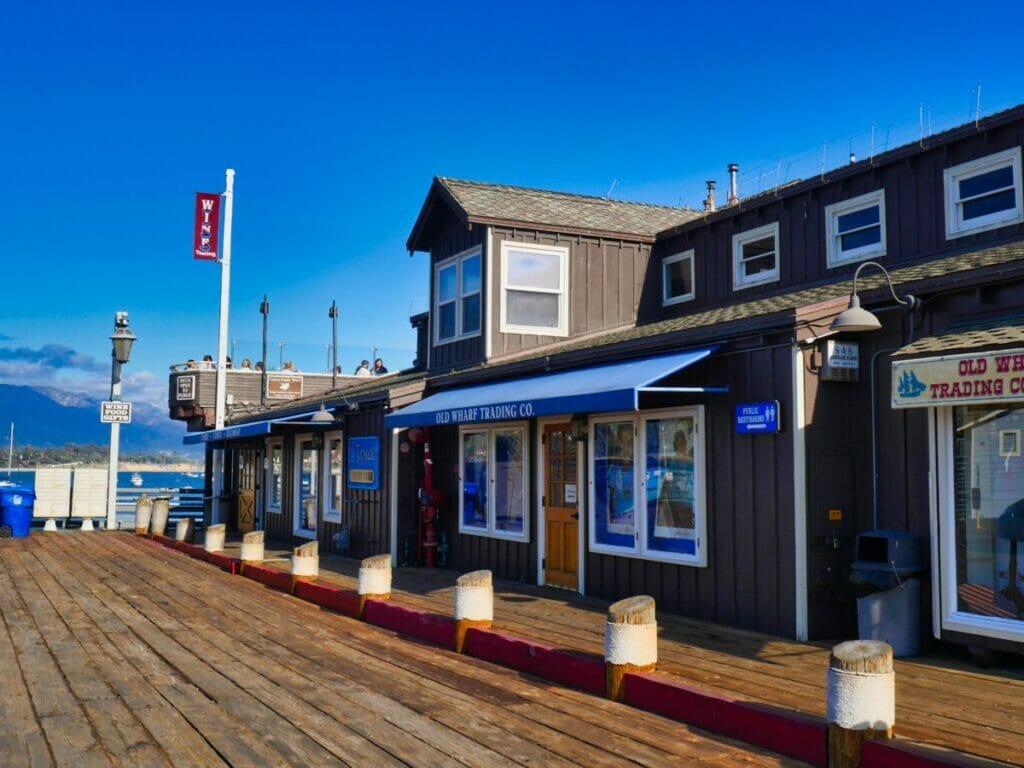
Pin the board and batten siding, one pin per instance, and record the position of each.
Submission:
(456, 238)
(914, 220)
(605, 281)
(749, 581)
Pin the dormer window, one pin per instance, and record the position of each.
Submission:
(457, 297)
(755, 256)
(534, 289)
(677, 278)
(983, 194)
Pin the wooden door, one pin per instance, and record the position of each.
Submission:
(247, 472)
(561, 508)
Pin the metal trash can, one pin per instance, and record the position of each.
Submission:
(16, 505)
(885, 576)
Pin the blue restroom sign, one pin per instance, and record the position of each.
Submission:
(757, 417)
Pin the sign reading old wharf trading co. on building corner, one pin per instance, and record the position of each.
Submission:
(958, 379)
(497, 412)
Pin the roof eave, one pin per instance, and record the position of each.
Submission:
(438, 191)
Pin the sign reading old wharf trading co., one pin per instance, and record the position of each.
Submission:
(958, 379)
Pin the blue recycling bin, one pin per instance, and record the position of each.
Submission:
(16, 504)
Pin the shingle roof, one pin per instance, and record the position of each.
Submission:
(999, 331)
(560, 211)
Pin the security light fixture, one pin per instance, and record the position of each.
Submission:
(854, 319)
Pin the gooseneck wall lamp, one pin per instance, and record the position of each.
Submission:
(854, 318)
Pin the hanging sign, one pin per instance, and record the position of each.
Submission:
(207, 225)
(958, 379)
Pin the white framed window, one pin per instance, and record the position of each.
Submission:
(333, 492)
(755, 256)
(457, 297)
(855, 229)
(307, 485)
(492, 479)
(647, 497)
(534, 289)
(677, 278)
(983, 194)
(274, 469)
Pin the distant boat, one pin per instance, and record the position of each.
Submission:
(136, 479)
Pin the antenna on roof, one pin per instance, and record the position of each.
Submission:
(608, 194)
(872, 155)
(977, 104)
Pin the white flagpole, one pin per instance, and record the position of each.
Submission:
(225, 290)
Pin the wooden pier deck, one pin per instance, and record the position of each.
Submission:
(943, 701)
(115, 651)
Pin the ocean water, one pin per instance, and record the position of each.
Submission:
(150, 480)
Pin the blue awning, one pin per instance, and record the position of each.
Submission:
(249, 429)
(597, 389)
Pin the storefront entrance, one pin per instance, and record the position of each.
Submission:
(248, 467)
(561, 508)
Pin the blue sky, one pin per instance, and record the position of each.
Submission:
(336, 116)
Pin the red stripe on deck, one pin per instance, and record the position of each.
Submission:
(228, 563)
(337, 599)
(272, 577)
(568, 668)
(889, 754)
(439, 630)
(192, 550)
(789, 733)
(165, 541)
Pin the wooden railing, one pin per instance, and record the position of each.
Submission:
(184, 502)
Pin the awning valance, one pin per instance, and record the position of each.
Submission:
(237, 431)
(595, 389)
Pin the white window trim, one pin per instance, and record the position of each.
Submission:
(563, 293)
(641, 549)
(456, 260)
(951, 619)
(836, 256)
(738, 241)
(955, 227)
(331, 515)
(303, 533)
(667, 300)
(268, 479)
(490, 429)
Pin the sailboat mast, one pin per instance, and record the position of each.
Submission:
(10, 452)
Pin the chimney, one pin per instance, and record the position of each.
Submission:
(733, 197)
(709, 201)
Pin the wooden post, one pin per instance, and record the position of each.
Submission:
(374, 580)
(861, 699)
(306, 562)
(474, 604)
(215, 537)
(183, 530)
(158, 518)
(630, 642)
(252, 547)
(143, 513)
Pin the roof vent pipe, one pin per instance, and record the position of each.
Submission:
(733, 196)
(709, 201)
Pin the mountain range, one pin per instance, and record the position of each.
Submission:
(44, 416)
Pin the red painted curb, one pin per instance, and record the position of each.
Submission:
(270, 576)
(165, 541)
(192, 550)
(567, 667)
(890, 754)
(788, 733)
(327, 596)
(230, 564)
(438, 630)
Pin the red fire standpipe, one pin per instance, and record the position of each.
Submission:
(430, 499)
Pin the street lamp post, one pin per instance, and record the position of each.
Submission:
(265, 311)
(122, 340)
(333, 314)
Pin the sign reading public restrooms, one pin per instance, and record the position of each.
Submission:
(958, 379)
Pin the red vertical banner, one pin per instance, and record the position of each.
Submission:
(207, 226)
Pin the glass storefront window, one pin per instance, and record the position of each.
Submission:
(494, 495)
(307, 485)
(274, 482)
(989, 510)
(671, 509)
(334, 453)
(614, 478)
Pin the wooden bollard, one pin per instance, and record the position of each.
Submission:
(252, 547)
(143, 513)
(306, 562)
(630, 642)
(158, 518)
(861, 693)
(215, 538)
(374, 580)
(183, 529)
(474, 604)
